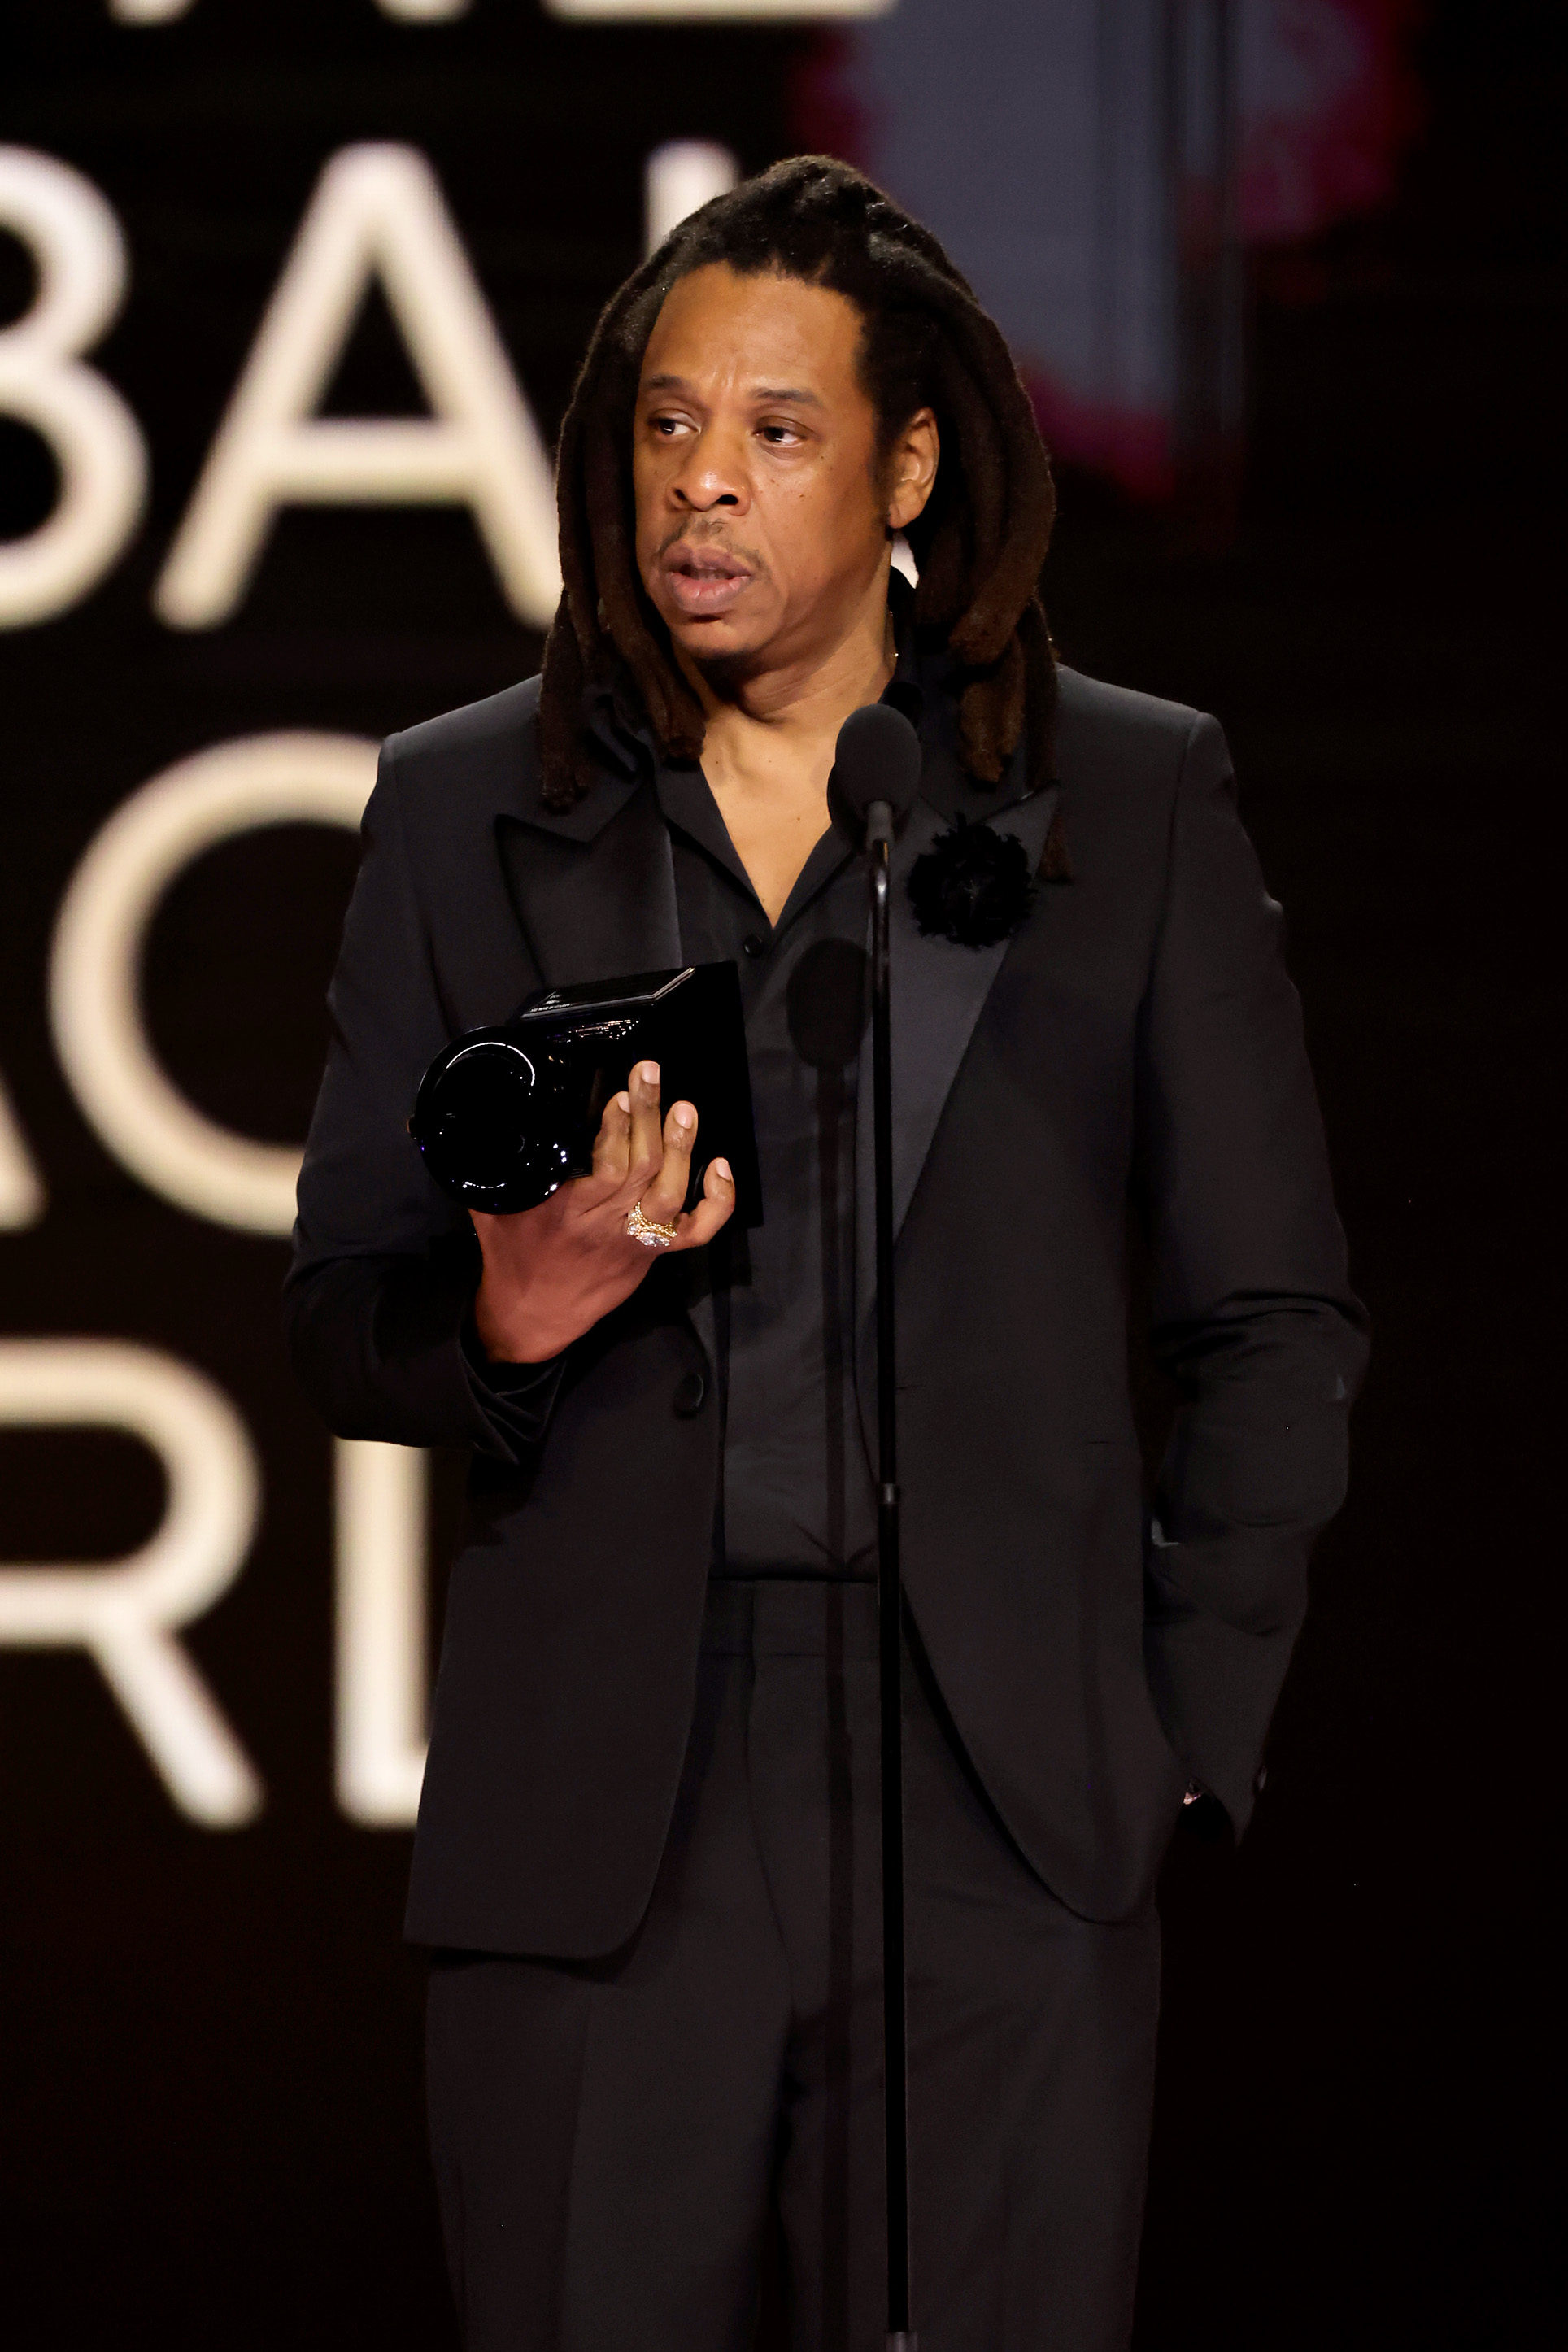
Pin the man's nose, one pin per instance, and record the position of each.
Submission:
(712, 476)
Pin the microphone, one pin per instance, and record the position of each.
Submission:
(876, 767)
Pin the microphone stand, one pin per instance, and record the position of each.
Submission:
(889, 1608)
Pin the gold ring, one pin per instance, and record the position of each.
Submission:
(643, 1229)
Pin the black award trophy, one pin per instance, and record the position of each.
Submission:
(506, 1113)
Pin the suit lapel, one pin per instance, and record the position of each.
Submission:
(593, 892)
(938, 991)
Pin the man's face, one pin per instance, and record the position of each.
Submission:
(761, 522)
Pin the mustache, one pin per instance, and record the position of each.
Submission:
(712, 539)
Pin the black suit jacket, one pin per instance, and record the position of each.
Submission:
(1136, 1042)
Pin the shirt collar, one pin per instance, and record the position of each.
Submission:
(906, 688)
(689, 806)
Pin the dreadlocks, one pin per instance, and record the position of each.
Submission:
(979, 545)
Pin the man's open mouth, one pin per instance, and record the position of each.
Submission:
(704, 579)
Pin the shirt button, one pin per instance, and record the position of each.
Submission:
(754, 944)
(690, 1391)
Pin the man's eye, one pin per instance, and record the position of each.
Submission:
(668, 425)
(778, 435)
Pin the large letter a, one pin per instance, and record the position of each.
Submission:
(377, 211)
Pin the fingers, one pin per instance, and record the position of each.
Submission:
(664, 1197)
(637, 1161)
(714, 1209)
(647, 1136)
(611, 1145)
(629, 1147)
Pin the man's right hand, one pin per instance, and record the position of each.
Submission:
(551, 1273)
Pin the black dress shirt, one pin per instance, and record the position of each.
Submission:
(796, 1497)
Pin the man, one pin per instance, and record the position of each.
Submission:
(647, 1855)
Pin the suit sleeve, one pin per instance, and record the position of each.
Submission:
(1253, 1316)
(377, 1302)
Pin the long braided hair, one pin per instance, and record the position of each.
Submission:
(979, 544)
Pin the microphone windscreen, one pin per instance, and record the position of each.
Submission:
(877, 758)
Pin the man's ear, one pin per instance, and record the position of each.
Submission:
(911, 468)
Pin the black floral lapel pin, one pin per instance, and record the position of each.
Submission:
(972, 886)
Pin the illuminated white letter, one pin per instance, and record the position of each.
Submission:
(164, 12)
(680, 177)
(377, 212)
(22, 1196)
(735, 12)
(381, 1673)
(123, 1612)
(79, 255)
(99, 937)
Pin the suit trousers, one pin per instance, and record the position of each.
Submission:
(679, 2147)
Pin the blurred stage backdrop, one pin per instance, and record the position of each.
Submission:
(291, 296)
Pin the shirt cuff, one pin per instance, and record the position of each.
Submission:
(517, 1396)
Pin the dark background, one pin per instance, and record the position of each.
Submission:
(209, 2041)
